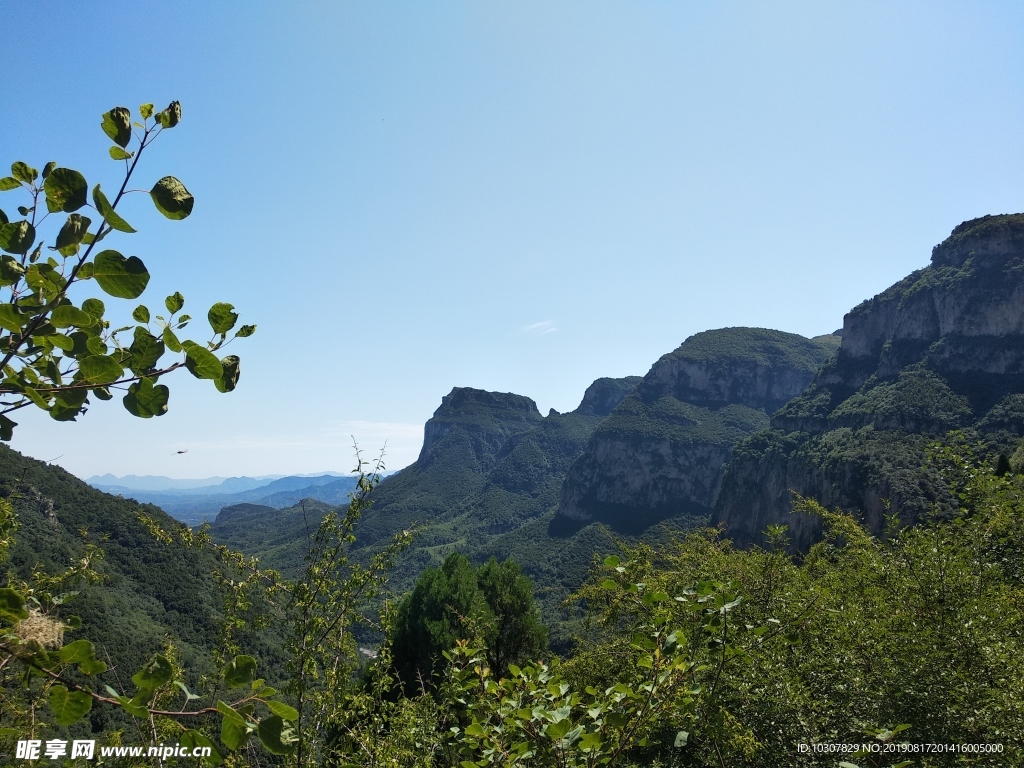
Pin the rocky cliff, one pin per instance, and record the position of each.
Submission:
(663, 449)
(489, 463)
(941, 350)
(604, 394)
(485, 419)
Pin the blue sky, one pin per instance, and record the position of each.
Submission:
(519, 197)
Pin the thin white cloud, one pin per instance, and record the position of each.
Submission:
(543, 328)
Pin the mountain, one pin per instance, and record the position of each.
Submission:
(197, 505)
(663, 450)
(153, 592)
(490, 464)
(150, 482)
(943, 349)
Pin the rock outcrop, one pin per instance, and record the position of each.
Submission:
(489, 463)
(943, 349)
(663, 449)
(485, 419)
(604, 394)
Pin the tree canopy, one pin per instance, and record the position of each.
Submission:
(456, 602)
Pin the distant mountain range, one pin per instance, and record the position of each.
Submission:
(194, 504)
(206, 485)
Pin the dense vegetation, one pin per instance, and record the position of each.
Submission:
(457, 602)
(693, 653)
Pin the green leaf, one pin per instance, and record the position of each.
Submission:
(120, 277)
(7, 428)
(189, 696)
(616, 719)
(240, 671)
(10, 318)
(95, 346)
(559, 729)
(202, 363)
(145, 400)
(107, 210)
(171, 340)
(232, 734)
(174, 302)
(117, 153)
(8, 183)
(17, 237)
(72, 232)
(141, 314)
(611, 561)
(192, 739)
(48, 168)
(230, 714)
(67, 315)
(146, 350)
(609, 584)
(245, 330)
(69, 707)
(229, 379)
(82, 653)
(99, 369)
(24, 172)
(171, 198)
(280, 708)
(103, 393)
(66, 190)
(10, 270)
(146, 111)
(156, 672)
(94, 307)
(12, 603)
(171, 116)
(221, 317)
(36, 398)
(117, 124)
(271, 731)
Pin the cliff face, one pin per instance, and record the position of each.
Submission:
(604, 394)
(663, 449)
(942, 349)
(489, 462)
(485, 419)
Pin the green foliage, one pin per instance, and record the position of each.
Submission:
(726, 347)
(54, 353)
(514, 632)
(456, 602)
(683, 423)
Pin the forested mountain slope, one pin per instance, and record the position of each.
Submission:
(153, 592)
(941, 350)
